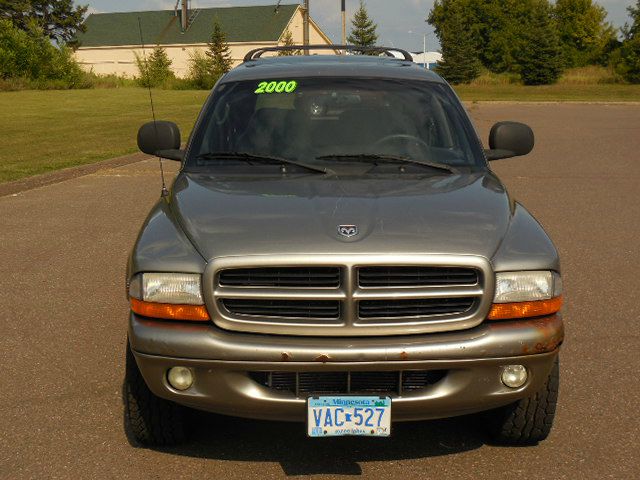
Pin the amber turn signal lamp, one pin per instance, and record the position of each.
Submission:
(166, 311)
(538, 308)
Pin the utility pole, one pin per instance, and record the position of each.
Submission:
(305, 40)
(344, 22)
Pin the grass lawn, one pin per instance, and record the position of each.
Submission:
(49, 130)
(551, 93)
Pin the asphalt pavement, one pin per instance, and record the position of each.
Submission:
(63, 327)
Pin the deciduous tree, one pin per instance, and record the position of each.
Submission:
(584, 33)
(60, 20)
(630, 52)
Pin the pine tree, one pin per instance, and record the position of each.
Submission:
(363, 33)
(287, 41)
(540, 54)
(156, 69)
(219, 52)
(459, 62)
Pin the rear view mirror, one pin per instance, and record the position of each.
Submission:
(509, 139)
(160, 139)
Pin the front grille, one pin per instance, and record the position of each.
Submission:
(311, 383)
(413, 308)
(317, 309)
(349, 295)
(415, 276)
(295, 277)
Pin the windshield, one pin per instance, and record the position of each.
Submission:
(324, 121)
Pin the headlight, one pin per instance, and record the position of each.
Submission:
(526, 294)
(527, 286)
(173, 296)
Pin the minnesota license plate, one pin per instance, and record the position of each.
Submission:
(341, 416)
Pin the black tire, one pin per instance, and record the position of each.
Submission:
(152, 420)
(529, 420)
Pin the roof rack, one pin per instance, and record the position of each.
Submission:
(258, 52)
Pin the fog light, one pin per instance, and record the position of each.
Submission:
(180, 378)
(514, 376)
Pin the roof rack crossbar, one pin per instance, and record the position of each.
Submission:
(258, 52)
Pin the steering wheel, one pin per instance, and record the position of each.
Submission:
(404, 137)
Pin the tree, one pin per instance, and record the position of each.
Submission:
(219, 52)
(459, 62)
(539, 56)
(60, 20)
(630, 31)
(584, 33)
(629, 65)
(287, 41)
(156, 69)
(363, 32)
(30, 55)
(200, 71)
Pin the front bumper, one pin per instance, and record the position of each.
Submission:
(221, 361)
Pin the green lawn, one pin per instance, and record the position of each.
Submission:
(48, 130)
(551, 93)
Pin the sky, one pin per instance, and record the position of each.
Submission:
(401, 23)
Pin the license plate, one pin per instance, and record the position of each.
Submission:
(349, 416)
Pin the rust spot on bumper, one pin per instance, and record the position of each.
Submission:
(404, 356)
(324, 358)
(552, 336)
(285, 357)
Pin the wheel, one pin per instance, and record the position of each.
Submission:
(151, 420)
(527, 421)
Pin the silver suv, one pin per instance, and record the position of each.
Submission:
(337, 251)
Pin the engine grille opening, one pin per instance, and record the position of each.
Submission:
(311, 383)
(312, 309)
(293, 277)
(414, 308)
(415, 276)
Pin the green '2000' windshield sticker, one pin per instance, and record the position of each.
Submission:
(277, 87)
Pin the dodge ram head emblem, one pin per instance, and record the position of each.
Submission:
(348, 230)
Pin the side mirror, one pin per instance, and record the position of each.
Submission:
(161, 139)
(509, 139)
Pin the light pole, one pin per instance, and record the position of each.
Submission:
(424, 49)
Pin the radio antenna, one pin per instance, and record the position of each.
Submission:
(165, 191)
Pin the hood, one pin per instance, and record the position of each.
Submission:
(452, 214)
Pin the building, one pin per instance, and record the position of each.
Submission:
(112, 39)
(430, 59)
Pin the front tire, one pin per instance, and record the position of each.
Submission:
(152, 420)
(527, 421)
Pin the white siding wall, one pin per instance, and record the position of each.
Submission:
(121, 60)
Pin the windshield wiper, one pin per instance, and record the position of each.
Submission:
(250, 157)
(364, 157)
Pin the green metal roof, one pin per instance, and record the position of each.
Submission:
(240, 24)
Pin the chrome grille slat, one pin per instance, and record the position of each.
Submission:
(296, 277)
(283, 308)
(414, 308)
(403, 276)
